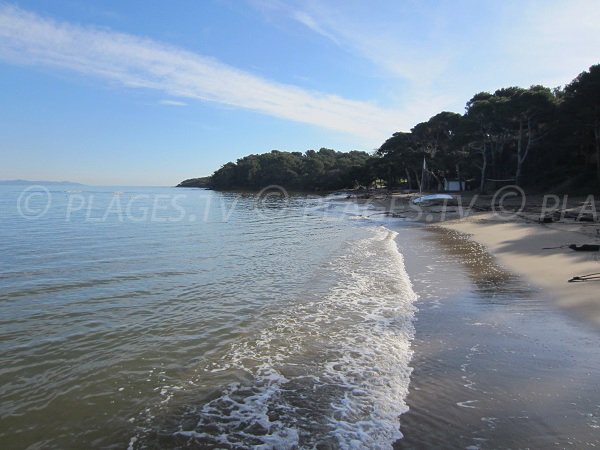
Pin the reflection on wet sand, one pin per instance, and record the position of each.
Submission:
(495, 364)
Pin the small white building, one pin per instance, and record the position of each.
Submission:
(453, 185)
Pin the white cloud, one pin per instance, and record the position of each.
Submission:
(407, 54)
(553, 43)
(387, 40)
(26, 38)
(441, 53)
(172, 103)
(308, 21)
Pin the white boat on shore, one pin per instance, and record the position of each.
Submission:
(432, 198)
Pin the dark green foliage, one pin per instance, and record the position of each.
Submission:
(436, 141)
(201, 182)
(311, 171)
(536, 137)
(581, 108)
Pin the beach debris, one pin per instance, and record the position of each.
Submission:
(588, 277)
(586, 218)
(585, 247)
(577, 248)
(467, 404)
(576, 214)
(388, 214)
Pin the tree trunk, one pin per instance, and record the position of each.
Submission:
(519, 157)
(483, 168)
(458, 178)
(417, 178)
(492, 159)
(437, 180)
(597, 139)
(408, 178)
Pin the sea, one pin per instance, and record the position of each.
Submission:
(162, 318)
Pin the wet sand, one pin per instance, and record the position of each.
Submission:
(511, 230)
(529, 248)
(496, 364)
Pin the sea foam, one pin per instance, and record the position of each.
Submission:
(328, 370)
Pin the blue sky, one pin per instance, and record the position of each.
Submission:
(149, 93)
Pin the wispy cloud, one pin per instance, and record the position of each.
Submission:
(386, 36)
(556, 42)
(404, 42)
(305, 19)
(440, 53)
(26, 38)
(172, 103)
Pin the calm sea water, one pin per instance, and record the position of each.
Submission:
(169, 318)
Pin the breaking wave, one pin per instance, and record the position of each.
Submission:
(326, 371)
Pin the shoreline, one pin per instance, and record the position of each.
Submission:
(521, 247)
(495, 363)
(506, 350)
(523, 244)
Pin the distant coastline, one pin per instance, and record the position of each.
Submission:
(202, 182)
(29, 182)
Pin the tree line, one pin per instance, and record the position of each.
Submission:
(313, 170)
(534, 137)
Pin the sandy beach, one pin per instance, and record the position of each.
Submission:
(506, 350)
(515, 234)
(522, 246)
(495, 363)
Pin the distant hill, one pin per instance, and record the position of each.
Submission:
(202, 182)
(29, 182)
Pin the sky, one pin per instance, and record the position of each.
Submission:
(144, 92)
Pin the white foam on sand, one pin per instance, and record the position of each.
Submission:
(331, 370)
(375, 357)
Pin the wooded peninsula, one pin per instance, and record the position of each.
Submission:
(537, 137)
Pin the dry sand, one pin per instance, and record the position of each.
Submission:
(510, 229)
(519, 246)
